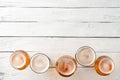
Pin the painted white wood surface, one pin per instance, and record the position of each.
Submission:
(60, 3)
(65, 29)
(47, 15)
(81, 73)
(59, 27)
(59, 45)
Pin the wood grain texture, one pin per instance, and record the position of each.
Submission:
(60, 29)
(46, 15)
(56, 28)
(61, 45)
(60, 3)
(81, 72)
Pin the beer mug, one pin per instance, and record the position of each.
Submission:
(19, 60)
(104, 65)
(85, 56)
(66, 65)
(40, 63)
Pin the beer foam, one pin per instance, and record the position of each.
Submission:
(66, 65)
(18, 60)
(106, 65)
(85, 56)
(39, 63)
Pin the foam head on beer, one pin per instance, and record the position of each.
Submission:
(66, 65)
(20, 59)
(85, 56)
(104, 65)
(39, 63)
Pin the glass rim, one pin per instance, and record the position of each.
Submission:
(25, 59)
(74, 69)
(85, 65)
(41, 71)
(113, 65)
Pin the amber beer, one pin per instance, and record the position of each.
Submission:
(104, 65)
(66, 66)
(19, 59)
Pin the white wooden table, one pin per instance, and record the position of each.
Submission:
(56, 28)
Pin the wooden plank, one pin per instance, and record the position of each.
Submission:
(60, 29)
(56, 28)
(61, 3)
(45, 15)
(51, 74)
(58, 45)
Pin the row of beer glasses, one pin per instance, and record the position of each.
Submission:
(65, 65)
